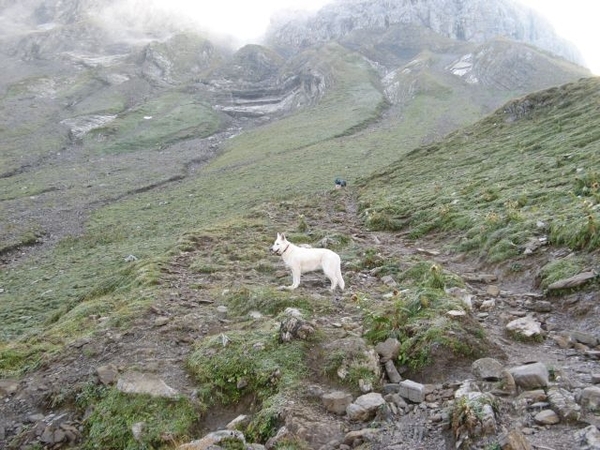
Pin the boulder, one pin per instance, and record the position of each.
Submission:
(336, 402)
(143, 383)
(530, 376)
(488, 369)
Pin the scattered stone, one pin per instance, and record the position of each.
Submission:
(143, 383)
(222, 312)
(588, 438)
(590, 398)
(240, 421)
(411, 390)
(365, 407)
(546, 417)
(137, 429)
(564, 404)
(388, 280)
(493, 290)
(392, 372)
(514, 440)
(526, 327)
(488, 305)
(213, 439)
(161, 321)
(456, 313)
(356, 438)
(488, 369)
(541, 306)
(574, 281)
(530, 376)
(593, 354)
(8, 387)
(595, 378)
(293, 327)
(107, 374)
(388, 349)
(337, 402)
(585, 338)
(480, 277)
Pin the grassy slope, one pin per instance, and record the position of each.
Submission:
(251, 170)
(46, 300)
(493, 185)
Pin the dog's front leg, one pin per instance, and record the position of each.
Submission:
(295, 279)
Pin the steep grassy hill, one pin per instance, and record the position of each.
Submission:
(528, 170)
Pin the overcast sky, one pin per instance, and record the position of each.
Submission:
(575, 20)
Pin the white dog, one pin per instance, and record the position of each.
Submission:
(302, 259)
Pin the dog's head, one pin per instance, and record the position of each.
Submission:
(280, 245)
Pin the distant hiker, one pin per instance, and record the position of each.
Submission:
(340, 183)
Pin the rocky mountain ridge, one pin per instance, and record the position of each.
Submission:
(473, 21)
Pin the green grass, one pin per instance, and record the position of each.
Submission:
(112, 415)
(417, 316)
(171, 117)
(490, 185)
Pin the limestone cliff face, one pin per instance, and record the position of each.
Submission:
(475, 21)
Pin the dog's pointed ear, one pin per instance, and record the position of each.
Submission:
(278, 236)
(283, 237)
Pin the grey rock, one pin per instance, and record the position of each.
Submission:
(473, 21)
(573, 281)
(8, 387)
(514, 440)
(336, 402)
(358, 437)
(588, 438)
(546, 417)
(488, 369)
(526, 327)
(239, 421)
(530, 376)
(564, 404)
(585, 338)
(107, 374)
(365, 407)
(213, 439)
(137, 429)
(388, 349)
(141, 383)
(413, 391)
(590, 398)
(392, 372)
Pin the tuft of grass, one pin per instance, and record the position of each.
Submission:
(267, 300)
(112, 414)
(467, 418)
(238, 364)
(417, 318)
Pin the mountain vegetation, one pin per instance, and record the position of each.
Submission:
(142, 182)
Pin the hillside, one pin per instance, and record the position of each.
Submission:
(139, 303)
(189, 318)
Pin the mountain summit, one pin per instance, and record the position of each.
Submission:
(476, 21)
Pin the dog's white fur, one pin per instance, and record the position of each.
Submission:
(302, 259)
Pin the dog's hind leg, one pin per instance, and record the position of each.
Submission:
(341, 283)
